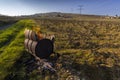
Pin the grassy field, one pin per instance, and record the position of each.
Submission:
(12, 48)
(89, 49)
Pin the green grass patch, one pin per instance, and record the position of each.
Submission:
(14, 50)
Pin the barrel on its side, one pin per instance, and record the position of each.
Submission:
(33, 36)
(29, 34)
(30, 46)
(33, 46)
(43, 48)
(26, 44)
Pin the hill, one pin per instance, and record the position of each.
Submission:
(60, 15)
(89, 48)
(6, 20)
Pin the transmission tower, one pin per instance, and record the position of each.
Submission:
(80, 8)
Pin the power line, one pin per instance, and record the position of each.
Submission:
(80, 8)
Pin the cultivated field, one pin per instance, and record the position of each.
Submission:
(89, 49)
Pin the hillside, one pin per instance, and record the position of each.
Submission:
(89, 48)
(59, 15)
(6, 20)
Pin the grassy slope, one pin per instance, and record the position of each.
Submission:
(14, 50)
(87, 52)
(9, 34)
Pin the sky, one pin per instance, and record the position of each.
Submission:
(28, 7)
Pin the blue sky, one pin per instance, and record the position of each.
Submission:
(27, 7)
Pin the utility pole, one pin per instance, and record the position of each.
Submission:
(80, 8)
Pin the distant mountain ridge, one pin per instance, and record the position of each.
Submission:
(66, 15)
(59, 15)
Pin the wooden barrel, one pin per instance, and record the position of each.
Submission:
(42, 48)
(26, 44)
(33, 46)
(30, 46)
(33, 36)
(29, 34)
